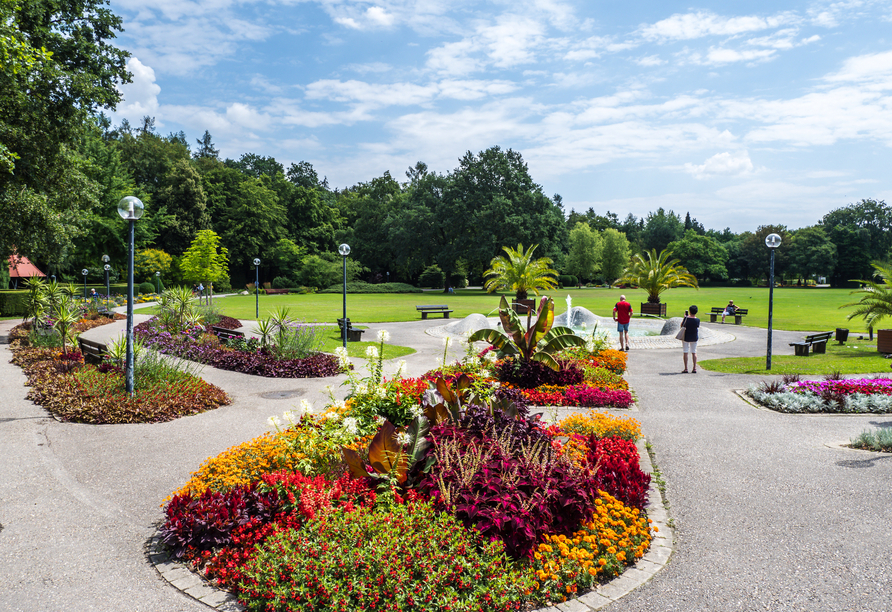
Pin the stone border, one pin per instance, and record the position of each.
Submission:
(193, 584)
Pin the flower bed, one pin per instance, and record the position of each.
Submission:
(849, 395)
(83, 393)
(195, 344)
(464, 502)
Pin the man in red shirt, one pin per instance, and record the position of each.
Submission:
(622, 314)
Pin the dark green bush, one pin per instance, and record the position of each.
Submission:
(362, 287)
(12, 303)
(282, 282)
(568, 280)
(432, 277)
(145, 288)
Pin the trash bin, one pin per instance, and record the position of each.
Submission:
(842, 335)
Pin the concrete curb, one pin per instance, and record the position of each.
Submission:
(193, 584)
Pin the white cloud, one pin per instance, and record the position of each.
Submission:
(374, 95)
(704, 23)
(876, 67)
(718, 57)
(722, 164)
(650, 60)
(140, 95)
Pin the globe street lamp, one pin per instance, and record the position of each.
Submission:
(106, 267)
(772, 241)
(257, 288)
(130, 209)
(344, 250)
(85, 272)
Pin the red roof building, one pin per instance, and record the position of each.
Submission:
(21, 267)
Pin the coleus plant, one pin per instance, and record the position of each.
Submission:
(538, 343)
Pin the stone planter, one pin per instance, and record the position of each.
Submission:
(649, 308)
(884, 341)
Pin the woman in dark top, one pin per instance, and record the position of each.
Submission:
(691, 326)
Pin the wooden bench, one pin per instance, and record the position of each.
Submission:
(433, 309)
(92, 351)
(738, 314)
(226, 334)
(818, 342)
(353, 334)
(276, 291)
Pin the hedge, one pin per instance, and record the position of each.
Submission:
(361, 287)
(12, 303)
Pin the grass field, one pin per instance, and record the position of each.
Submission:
(854, 357)
(795, 309)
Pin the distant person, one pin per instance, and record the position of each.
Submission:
(93, 294)
(622, 314)
(729, 311)
(691, 325)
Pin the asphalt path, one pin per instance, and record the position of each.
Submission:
(767, 517)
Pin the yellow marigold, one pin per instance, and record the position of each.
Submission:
(601, 424)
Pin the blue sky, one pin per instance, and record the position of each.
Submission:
(744, 114)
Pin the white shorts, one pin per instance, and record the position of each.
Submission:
(689, 347)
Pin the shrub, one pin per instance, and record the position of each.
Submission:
(363, 287)
(282, 282)
(146, 288)
(12, 303)
(399, 558)
(432, 277)
(568, 280)
(877, 440)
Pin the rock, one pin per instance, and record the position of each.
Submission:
(671, 326)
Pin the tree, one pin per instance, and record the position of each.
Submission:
(661, 228)
(615, 252)
(656, 273)
(206, 147)
(862, 233)
(517, 271)
(256, 166)
(181, 208)
(703, 256)
(757, 256)
(286, 257)
(149, 261)
(56, 69)
(584, 259)
(205, 261)
(253, 220)
(812, 252)
(876, 301)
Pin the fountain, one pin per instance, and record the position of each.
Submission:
(569, 310)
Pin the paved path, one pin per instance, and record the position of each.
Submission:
(767, 516)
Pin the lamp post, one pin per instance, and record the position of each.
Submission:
(772, 241)
(158, 282)
(131, 209)
(106, 267)
(257, 288)
(85, 272)
(344, 250)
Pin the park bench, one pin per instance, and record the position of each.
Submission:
(226, 334)
(818, 342)
(276, 291)
(433, 309)
(738, 314)
(92, 351)
(353, 334)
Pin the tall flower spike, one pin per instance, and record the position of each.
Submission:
(383, 335)
(371, 351)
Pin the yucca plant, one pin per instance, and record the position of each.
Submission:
(538, 343)
(517, 271)
(36, 303)
(655, 273)
(66, 314)
(876, 301)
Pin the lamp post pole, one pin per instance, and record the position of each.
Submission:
(344, 250)
(131, 209)
(158, 282)
(85, 272)
(257, 288)
(106, 267)
(772, 241)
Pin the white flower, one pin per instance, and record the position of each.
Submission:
(379, 420)
(274, 422)
(305, 407)
(289, 417)
(360, 389)
(400, 369)
(416, 410)
(583, 325)
(351, 426)
(380, 392)
(403, 438)
(371, 351)
(383, 335)
(491, 356)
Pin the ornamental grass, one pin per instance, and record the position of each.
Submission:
(616, 537)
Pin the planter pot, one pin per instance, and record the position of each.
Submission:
(649, 308)
(842, 335)
(523, 306)
(884, 341)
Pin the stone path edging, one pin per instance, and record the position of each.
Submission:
(193, 584)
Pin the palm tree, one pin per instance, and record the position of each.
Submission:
(519, 272)
(876, 303)
(656, 273)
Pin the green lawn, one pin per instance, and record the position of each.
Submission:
(333, 340)
(854, 357)
(794, 308)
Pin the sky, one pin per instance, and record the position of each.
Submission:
(741, 113)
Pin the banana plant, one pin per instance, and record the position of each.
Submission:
(538, 343)
(443, 403)
(390, 459)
